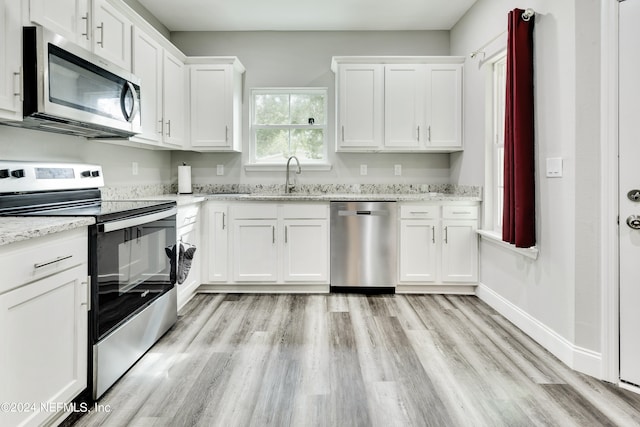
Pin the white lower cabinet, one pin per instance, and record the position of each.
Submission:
(43, 327)
(188, 223)
(263, 243)
(438, 246)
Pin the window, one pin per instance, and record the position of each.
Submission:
(288, 122)
(497, 149)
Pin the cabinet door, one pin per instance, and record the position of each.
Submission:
(360, 106)
(255, 255)
(459, 251)
(112, 34)
(147, 65)
(10, 60)
(418, 250)
(211, 106)
(306, 251)
(444, 106)
(68, 18)
(404, 98)
(190, 234)
(217, 246)
(43, 328)
(174, 101)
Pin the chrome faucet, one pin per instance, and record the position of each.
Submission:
(287, 185)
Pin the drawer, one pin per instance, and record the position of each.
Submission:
(419, 212)
(187, 215)
(460, 212)
(29, 260)
(254, 211)
(305, 211)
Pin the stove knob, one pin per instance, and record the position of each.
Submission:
(85, 174)
(95, 173)
(4, 173)
(18, 173)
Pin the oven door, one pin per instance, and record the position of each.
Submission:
(132, 267)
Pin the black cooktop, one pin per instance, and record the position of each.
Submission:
(108, 210)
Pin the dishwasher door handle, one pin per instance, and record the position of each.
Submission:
(363, 213)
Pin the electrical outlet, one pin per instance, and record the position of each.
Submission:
(134, 168)
(363, 169)
(397, 170)
(220, 169)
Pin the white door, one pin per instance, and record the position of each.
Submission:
(112, 34)
(10, 60)
(174, 101)
(629, 114)
(217, 233)
(444, 106)
(147, 65)
(459, 251)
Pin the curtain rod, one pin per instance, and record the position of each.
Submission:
(526, 16)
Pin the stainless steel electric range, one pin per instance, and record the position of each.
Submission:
(133, 297)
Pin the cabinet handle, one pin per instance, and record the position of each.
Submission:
(226, 133)
(88, 301)
(419, 212)
(101, 28)
(161, 121)
(429, 133)
(286, 234)
(418, 133)
(342, 133)
(446, 235)
(169, 128)
(433, 234)
(86, 25)
(461, 213)
(44, 264)
(273, 234)
(223, 224)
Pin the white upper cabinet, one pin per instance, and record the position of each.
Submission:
(216, 104)
(404, 105)
(359, 106)
(174, 101)
(444, 106)
(69, 18)
(147, 66)
(10, 60)
(112, 34)
(398, 104)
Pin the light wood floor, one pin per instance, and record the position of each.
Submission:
(353, 360)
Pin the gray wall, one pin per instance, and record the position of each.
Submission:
(304, 59)
(557, 295)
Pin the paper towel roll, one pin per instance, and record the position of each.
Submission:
(184, 180)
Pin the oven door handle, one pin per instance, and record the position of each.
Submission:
(106, 227)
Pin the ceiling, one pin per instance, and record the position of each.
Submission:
(307, 15)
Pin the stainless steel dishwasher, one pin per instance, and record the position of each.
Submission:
(363, 246)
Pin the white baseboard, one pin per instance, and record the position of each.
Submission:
(580, 359)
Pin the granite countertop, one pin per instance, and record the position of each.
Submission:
(15, 229)
(397, 197)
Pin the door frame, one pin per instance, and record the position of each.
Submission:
(609, 188)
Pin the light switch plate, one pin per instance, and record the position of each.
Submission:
(363, 169)
(554, 167)
(220, 170)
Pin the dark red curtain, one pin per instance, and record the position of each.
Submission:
(518, 221)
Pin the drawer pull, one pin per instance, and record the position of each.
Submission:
(461, 213)
(419, 213)
(44, 264)
(223, 224)
(433, 235)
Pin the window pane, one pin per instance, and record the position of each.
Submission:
(272, 145)
(272, 109)
(307, 143)
(305, 107)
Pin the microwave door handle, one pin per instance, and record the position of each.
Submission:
(129, 116)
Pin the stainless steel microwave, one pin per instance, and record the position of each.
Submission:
(67, 89)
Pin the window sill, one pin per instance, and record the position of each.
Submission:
(256, 167)
(496, 238)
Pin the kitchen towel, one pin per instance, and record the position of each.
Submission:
(184, 179)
